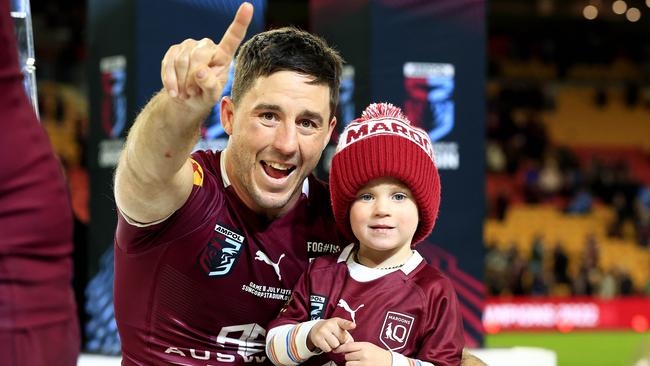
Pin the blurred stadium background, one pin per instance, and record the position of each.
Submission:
(568, 186)
(567, 166)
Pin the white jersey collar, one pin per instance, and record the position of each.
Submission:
(362, 273)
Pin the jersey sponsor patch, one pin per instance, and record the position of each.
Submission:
(396, 330)
(239, 344)
(317, 303)
(198, 173)
(221, 252)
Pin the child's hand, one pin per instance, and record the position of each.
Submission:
(329, 334)
(365, 354)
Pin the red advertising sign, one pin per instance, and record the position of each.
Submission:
(566, 314)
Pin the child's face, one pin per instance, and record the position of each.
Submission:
(384, 215)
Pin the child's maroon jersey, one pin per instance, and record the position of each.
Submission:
(200, 287)
(412, 311)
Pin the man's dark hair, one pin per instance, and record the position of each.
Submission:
(288, 49)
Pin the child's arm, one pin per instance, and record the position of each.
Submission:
(290, 339)
(286, 335)
(287, 344)
(292, 344)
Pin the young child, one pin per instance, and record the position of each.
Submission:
(378, 302)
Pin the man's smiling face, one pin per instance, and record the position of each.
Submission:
(277, 132)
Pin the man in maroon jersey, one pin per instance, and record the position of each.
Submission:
(38, 320)
(208, 245)
(377, 303)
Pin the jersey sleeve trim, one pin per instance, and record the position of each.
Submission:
(287, 344)
(135, 223)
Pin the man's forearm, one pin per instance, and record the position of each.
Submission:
(161, 139)
(154, 177)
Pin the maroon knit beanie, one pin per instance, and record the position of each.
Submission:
(383, 143)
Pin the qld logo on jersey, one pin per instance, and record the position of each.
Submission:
(317, 306)
(396, 330)
(221, 253)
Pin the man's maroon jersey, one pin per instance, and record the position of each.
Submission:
(412, 311)
(200, 287)
(35, 214)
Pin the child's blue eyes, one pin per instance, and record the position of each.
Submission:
(368, 197)
(365, 197)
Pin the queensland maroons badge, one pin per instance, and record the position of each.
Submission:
(396, 330)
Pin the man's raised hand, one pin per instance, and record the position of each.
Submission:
(195, 72)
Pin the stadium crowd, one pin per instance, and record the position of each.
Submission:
(539, 172)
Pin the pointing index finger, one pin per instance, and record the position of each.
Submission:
(237, 29)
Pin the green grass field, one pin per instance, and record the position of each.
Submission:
(581, 348)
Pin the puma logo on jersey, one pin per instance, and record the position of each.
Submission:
(342, 303)
(260, 256)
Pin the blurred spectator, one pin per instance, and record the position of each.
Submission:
(581, 203)
(642, 219)
(560, 264)
(496, 265)
(550, 177)
(609, 285)
(495, 157)
(538, 286)
(589, 275)
(625, 283)
(581, 283)
(591, 254)
(536, 138)
(620, 207)
(501, 204)
(536, 263)
(595, 176)
(587, 281)
(518, 273)
(532, 192)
